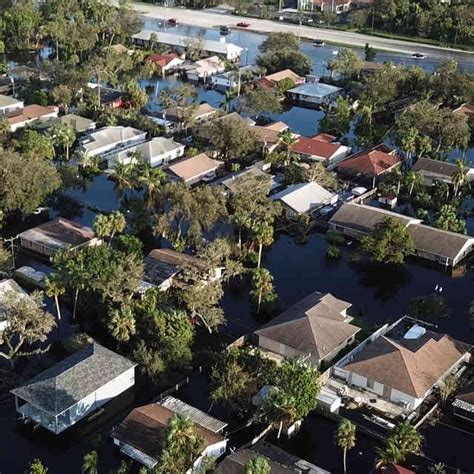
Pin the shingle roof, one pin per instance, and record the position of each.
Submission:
(145, 426)
(364, 218)
(303, 197)
(81, 374)
(313, 325)
(371, 162)
(315, 146)
(78, 123)
(442, 168)
(411, 366)
(194, 167)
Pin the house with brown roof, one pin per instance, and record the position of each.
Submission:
(28, 114)
(316, 327)
(194, 169)
(434, 171)
(55, 235)
(279, 76)
(321, 147)
(404, 365)
(268, 136)
(199, 114)
(163, 265)
(370, 164)
(141, 435)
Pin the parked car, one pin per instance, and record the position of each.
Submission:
(243, 24)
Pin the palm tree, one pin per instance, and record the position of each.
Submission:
(390, 454)
(124, 176)
(54, 289)
(287, 138)
(242, 220)
(262, 282)
(63, 136)
(109, 225)
(460, 176)
(36, 467)
(90, 463)
(121, 324)
(346, 438)
(367, 113)
(229, 96)
(409, 142)
(258, 465)
(263, 234)
(411, 179)
(152, 179)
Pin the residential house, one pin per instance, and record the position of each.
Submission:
(441, 246)
(438, 171)
(202, 70)
(321, 147)
(57, 234)
(141, 435)
(167, 63)
(9, 105)
(233, 79)
(228, 51)
(9, 287)
(80, 125)
(403, 367)
(163, 265)
(66, 393)
(277, 78)
(279, 461)
(268, 136)
(6, 85)
(313, 94)
(463, 405)
(302, 198)
(109, 98)
(316, 328)
(370, 164)
(108, 141)
(159, 151)
(29, 114)
(194, 169)
(199, 114)
(333, 6)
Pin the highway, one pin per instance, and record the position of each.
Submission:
(213, 19)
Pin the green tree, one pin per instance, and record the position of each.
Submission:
(432, 307)
(20, 23)
(54, 289)
(345, 438)
(34, 145)
(260, 100)
(62, 95)
(346, 63)
(182, 445)
(63, 136)
(90, 463)
(389, 242)
(263, 236)
(124, 176)
(152, 179)
(447, 219)
(36, 467)
(28, 323)
(136, 96)
(258, 465)
(262, 284)
(108, 225)
(369, 53)
(338, 117)
(460, 176)
(121, 324)
(287, 139)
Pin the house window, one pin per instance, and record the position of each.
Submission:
(370, 384)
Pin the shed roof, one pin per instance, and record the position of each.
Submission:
(303, 197)
(192, 168)
(79, 375)
(315, 325)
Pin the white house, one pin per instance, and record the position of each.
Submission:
(194, 169)
(110, 140)
(9, 104)
(304, 197)
(404, 365)
(9, 287)
(203, 69)
(140, 435)
(313, 94)
(29, 114)
(159, 151)
(64, 394)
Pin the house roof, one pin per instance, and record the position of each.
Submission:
(265, 135)
(466, 110)
(466, 394)
(30, 112)
(79, 375)
(109, 136)
(162, 264)
(145, 426)
(439, 242)
(372, 162)
(442, 168)
(209, 65)
(319, 146)
(411, 366)
(230, 182)
(364, 218)
(285, 74)
(157, 146)
(7, 101)
(194, 167)
(162, 59)
(78, 123)
(303, 197)
(314, 325)
(173, 113)
(59, 233)
(315, 89)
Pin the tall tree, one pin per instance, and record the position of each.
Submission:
(346, 63)
(260, 100)
(54, 289)
(258, 465)
(90, 463)
(447, 219)
(262, 284)
(460, 176)
(121, 324)
(346, 438)
(108, 225)
(63, 136)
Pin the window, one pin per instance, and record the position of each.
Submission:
(370, 384)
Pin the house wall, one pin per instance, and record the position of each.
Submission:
(11, 108)
(399, 397)
(215, 450)
(284, 350)
(163, 160)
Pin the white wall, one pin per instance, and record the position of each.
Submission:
(396, 396)
(214, 450)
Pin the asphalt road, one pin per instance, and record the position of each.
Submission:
(212, 19)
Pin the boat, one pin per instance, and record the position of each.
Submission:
(418, 56)
(319, 43)
(225, 30)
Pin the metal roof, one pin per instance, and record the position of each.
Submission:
(195, 415)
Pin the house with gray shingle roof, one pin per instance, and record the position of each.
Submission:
(316, 328)
(64, 394)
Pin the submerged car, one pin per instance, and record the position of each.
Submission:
(418, 56)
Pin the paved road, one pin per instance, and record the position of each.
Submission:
(210, 19)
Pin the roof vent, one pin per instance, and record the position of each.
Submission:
(415, 332)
